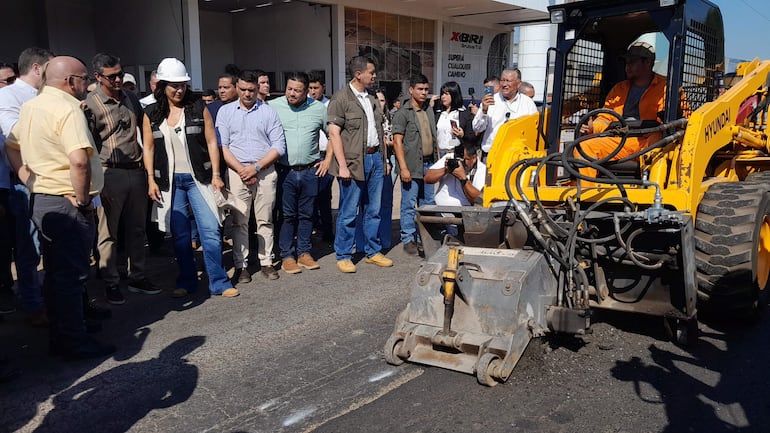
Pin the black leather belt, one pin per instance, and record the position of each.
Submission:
(371, 150)
(298, 167)
(135, 165)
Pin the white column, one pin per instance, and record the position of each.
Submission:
(438, 53)
(338, 50)
(534, 42)
(192, 35)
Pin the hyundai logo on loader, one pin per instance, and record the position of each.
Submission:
(717, 124)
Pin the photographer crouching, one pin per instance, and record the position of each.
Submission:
(460, 178)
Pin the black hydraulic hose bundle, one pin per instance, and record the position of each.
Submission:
(561, 244)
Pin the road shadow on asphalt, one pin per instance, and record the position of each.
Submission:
(113, 401)
(43, 377)
(734, 354)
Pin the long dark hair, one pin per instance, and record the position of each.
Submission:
(163, 110)
(455, 92)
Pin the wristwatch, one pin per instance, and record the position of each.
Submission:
(257, 167)
(463, 181)
(82, 205)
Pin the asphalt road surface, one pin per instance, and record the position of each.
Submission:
(303, 354)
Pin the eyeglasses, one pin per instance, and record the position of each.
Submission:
(114, 76)
(82, 77)
(177, 86)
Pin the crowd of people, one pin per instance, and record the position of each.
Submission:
(85, 169)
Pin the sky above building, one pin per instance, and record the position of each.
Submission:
(747, 28)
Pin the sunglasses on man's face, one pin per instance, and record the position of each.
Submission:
(113, 77)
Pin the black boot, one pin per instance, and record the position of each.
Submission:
(92, 310)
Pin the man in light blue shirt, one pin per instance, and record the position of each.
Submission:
(27, 248)
(303, 119)
(252, 139)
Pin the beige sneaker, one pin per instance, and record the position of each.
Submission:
(289, 266)
(346, 266)
(379, 260)
(307, 262)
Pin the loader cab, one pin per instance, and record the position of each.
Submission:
(687, 36)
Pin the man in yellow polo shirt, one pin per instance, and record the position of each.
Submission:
(53, 153)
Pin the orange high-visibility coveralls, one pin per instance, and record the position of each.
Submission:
(651, 104)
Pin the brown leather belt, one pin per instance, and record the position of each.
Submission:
(371, 150)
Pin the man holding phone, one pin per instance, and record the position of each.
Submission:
(498, 108)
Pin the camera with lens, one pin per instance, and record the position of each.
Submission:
(453, 163)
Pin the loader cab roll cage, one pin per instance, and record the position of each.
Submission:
(593, 34)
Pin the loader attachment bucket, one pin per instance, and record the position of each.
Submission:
(498, 303)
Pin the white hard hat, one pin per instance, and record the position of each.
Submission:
(129, 78)
(172, 70)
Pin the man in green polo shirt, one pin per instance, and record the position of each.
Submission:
(303, 119)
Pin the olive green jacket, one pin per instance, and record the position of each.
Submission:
(346, 112)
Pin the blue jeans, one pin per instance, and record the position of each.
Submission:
(186, 192)
(67, 235)
(429, 193)
(324, 205)
(414, 193)
(298, 200)
(26, 250)
(6, 244)
(363, 196)
(386, 218)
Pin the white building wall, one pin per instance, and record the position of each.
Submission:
(140, 32)
(70, 29)
(534, 41)
(294, 37)
(216, 45)
(20, 32)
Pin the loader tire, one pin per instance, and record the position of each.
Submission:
(732, 246)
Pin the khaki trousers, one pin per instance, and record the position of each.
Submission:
(260, 197)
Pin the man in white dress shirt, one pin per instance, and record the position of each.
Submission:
(508, 104)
